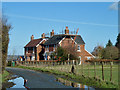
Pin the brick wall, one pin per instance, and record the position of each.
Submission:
(82, 53)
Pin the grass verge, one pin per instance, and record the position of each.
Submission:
(5, 76)
(96, 83)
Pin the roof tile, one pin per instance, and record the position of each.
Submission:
(33, 43)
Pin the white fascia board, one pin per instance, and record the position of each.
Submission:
(40, 42)
(61, 40)
(74, 41)
(90, 54)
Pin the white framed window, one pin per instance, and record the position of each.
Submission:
(33, 58)
(79, 60)
(88, 58)
(78, 48)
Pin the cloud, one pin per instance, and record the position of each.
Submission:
(63, 21)
(114, 6)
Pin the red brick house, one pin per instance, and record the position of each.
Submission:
(64, 40)
(34, 50)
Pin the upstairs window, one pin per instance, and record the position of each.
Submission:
(78, 47)
(88, 58)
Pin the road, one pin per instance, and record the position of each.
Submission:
(37, 79)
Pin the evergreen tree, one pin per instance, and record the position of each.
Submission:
(110, 53)
(118, 41)
(118, 44)
(109, 43)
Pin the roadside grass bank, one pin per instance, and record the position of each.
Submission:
(89, 81)
(4, 78)
(89, 71)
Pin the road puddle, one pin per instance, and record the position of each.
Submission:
(74, 84)
(18, 81)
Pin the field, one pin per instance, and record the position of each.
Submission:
(90, 72)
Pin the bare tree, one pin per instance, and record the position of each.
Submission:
(5, 40)
(71, 51)
(98, 51)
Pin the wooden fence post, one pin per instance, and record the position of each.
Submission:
(94, 69)
(102, 72)
(110, 71)
(73, 69)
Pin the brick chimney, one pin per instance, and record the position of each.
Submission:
(52, 33)
(32, 37)
(66, 30)
(43, 35)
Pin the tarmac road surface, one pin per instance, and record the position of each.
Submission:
(37, 79)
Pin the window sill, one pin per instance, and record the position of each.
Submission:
(78, 50)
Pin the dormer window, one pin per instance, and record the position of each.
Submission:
(78, 48)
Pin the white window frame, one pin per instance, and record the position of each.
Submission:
(79, 48)
(80, 60)
(88, 58)
(33, 58)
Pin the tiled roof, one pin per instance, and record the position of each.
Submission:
(57, 38)
(33, 43)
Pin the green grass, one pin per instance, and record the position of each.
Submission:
(4, 76)
(78, 71)
(90, 81)
(99, 72)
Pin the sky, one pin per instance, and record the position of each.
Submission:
(97, 21)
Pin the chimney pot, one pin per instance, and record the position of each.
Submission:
(52, 33)
(32, 37)
(43, 35)
(66, 30)
(66, 27)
